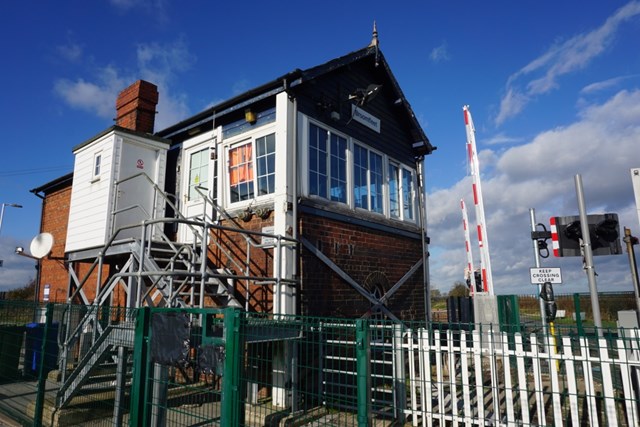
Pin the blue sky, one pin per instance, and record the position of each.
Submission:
(553, 87)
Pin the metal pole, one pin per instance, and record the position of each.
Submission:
(588, 255)
(634, 268)
(536, 256)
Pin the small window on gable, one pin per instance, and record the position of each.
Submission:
(97, 166)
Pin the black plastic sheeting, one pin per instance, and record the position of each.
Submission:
(170, 342)
(211, 359)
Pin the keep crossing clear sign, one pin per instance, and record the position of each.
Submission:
(548, 274)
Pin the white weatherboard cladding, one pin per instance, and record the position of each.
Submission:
(88, 212)
(92, 198)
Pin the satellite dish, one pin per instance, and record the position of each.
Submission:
(362, 96)
(371, 92)
(41, 245)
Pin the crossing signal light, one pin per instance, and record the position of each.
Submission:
(478, 279)
(550, 307)
(550, 310)
(546, 293)
(604, 233)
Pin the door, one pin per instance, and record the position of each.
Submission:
(135, 197)
(196, 184)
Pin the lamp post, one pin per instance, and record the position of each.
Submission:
(4, 205)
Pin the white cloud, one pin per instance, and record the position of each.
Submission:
(71, 51)
(156, 63)
(17, 271)
(541, 75)
(540, 174)
(500, 139)
(440, 53)
(161, 65)
(97, 97)
(606, 84)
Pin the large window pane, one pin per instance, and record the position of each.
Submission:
(317, 161)
(407, 193)
(198, 172)
(360, 166)
(266, 163)
(338, 169)
(241, 173)
(394, 201)
(375, 177)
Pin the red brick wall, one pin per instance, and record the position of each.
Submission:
(364, 254)
(55, 216)
(234, 246)
(53, 269)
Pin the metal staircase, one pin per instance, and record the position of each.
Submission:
(157, 271)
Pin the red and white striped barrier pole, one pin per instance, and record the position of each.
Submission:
(467, 244)
(483, 241)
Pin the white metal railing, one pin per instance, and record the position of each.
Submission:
(483, 377)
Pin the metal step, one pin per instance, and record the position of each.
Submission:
(112, 336)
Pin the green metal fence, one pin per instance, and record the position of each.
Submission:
(83, 365)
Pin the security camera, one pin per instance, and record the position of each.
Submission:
(19, 250)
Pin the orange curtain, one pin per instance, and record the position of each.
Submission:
(240, 166)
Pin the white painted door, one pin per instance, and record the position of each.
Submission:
(196, 181)
(135, 197)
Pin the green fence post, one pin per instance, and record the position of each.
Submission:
(42, 380)
(363, 363)
(139, 384)
(232, 410)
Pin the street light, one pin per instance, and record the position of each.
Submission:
(11, 205)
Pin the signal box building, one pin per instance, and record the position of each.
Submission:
(300, 196)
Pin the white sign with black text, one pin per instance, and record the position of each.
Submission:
(548, 274)
(365, 118)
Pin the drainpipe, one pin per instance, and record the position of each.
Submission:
(294, 191)
(425, 239)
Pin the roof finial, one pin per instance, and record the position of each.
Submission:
(375, 42)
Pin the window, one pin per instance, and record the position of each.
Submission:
(375, 182)
(317, 161)
(394, 184)
(407, 194)
(198, 173)
(241, 173)
(367, 179)
(243, 182)
(348, 171)
(327, 164)
(266, 161)
(97, 166)
(400, 191)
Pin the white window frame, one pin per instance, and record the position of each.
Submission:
(412, 194)
(350, 167)
(96, 170)
(329, 158)
(236, 141)
(206, 150)
(384, 192)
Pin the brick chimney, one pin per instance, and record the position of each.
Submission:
(136, 107)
